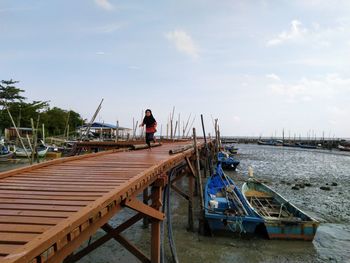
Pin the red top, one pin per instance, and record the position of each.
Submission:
(151, 129)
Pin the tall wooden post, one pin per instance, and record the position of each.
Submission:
(190, 203)
(155, 228)
(198, 169)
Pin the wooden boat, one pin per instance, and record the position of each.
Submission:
(227, 161)
(343, 148)
(225, 207)
(307, 146)
(5, 154)
(20, 152)
(231, 149)
(282, 219)
(269, 142)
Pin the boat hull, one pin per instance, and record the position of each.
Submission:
(220, 223)
(6, 156)
(300, 231)
(282, 219)
(225, 216)
(22, 154)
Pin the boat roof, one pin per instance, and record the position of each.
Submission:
(100, 125)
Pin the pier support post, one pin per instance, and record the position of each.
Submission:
(190, 202)
(155, 227)
(145, 201)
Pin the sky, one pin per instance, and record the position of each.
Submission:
(258, 66)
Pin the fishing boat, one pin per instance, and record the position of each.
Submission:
(306, 146)
(231, 149)
(5, 154)
(343, 148)
(227, 161)
(20, 152)
(282, 219)
(225, 207)
(269, 142)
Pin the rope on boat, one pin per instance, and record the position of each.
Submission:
(236, 224)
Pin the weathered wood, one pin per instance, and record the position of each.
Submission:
(53, 207)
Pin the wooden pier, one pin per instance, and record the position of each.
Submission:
(49, 209)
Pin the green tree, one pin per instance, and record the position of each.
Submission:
(9, 93)
(54, 119)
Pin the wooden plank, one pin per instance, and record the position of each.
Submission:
(52, 189)
(47, 197)
(16, 237)
(51, 178)
(7, 248)
(57, 214)
(40, 207)
(55, 193)
(41, 202)
(49, 163)
(67, 185)
(30, 220)
(23, 228)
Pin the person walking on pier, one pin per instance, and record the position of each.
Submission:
(151, 125)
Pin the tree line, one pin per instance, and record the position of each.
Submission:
(55, 120)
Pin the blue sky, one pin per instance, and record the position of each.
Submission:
(257, 66)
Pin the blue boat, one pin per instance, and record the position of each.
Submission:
(231, 149)
(307, 146)
(227, 161)
(282, 219)
(226, 209)
(5, 154)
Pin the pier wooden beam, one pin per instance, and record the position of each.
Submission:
(135, 204)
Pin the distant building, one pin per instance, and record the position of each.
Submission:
(105, 131)
(11, 135)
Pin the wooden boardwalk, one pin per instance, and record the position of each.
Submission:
(48, 210)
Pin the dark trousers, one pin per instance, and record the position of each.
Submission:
(149, 138)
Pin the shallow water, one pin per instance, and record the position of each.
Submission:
(280, 168)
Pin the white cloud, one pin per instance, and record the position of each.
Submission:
(104, 4)
(295, 33)
(100, 53)
(183, 42)
(307, 89)
(273, 77)
(316, 36)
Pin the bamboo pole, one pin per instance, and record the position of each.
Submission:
(175, 130)
(43, 127)
(185, 126)
(171, 123)
(117, 130)
(91, 121)
(17, 132)
(179, 123)
(191, 126)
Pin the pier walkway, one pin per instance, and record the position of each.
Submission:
(49, 209)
